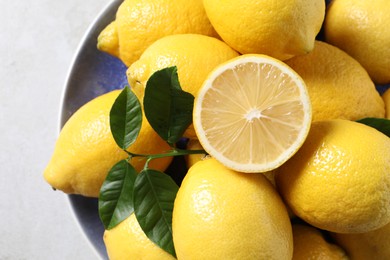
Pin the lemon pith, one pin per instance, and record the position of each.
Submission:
(281, 29)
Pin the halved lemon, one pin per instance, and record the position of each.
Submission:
(252, 113)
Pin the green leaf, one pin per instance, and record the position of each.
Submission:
(167, 107)
(116, 194)
(126, 118)
(380, 124)
(154, 195)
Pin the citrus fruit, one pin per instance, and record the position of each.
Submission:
(386, 99)
(339, 179)
(223, 214)
(282, 29)
(252, 113)
(194, 56)
(139, 23)
(309, 243)
(85, 150)
(338, 86)
(128, 241)
(371, 245)
(358, 27)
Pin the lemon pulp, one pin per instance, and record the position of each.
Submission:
(252, 113)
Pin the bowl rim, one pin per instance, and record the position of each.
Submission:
(63, 117)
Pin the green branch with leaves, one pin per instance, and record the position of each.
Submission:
(149, 194)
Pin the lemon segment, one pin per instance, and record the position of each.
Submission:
(252, 113)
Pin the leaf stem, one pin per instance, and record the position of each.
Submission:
(173, 152)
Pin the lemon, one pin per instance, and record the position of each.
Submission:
(338, 86)
(281, 29)
(128, 241)
(252, 113)
(194, 56)
(139, 23)
(339, 180)
(359, 28)
(386, 99)
(371, 245)
(108, 40)
(222, 214)
(85, 150)
(309, 243)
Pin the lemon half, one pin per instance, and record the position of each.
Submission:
(252, 113)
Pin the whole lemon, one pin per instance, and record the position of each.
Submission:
(359, 27)
(281, 29)
(223, 214)
(371, 245)
(309, 243)
(85, 150)
(194, 55)
(139, 23)
(339, 180)
(338, 86)
(128, 241)
(386, 99)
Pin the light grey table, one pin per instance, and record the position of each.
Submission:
(37, 42)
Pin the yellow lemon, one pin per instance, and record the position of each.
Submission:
(128, 241)
(85, 150)
(371, 245)
(386, 99)
(359, 27)
(339, 180)
(309, 243)
(194, 56)
(139, 23)
(223, 214)
(191, 159)
(252, 113)
(282, 29)
(338, 86)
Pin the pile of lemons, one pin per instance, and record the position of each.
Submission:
(278, 88)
